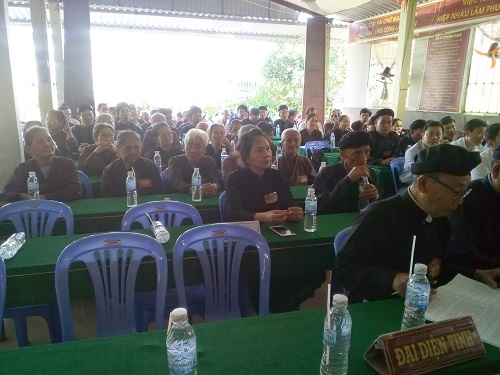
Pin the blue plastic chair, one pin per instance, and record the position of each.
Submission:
(170, 213)
(36, 218)
(112, 260)
(338, 244)
(220, 249)
(164, 178)
(397, 165)
(87, 187)
(222, 207)
(311, 146)
(3, 289)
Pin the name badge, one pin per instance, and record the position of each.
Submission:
(433, 269)
(271, 198)
(145, 183)
(302, 180)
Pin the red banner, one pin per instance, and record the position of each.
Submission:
(441, 14)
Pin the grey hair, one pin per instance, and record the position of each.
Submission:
(100, 119)
(194, 133)
(124, 134)
(289, 130)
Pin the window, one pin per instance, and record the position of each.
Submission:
(380, 91)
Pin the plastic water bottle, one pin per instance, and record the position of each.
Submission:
(181, 345)
(10, 247)
(278, 131)
(157, 160)
(233, 145)
(311, 206)
(323, 165)
(196, 186)
(418, 290)
(33, 186)
(274, 166)
(332, 139)
(363, 202)
(336, 338)
(160, 232)
(223, 156)
(131, 188)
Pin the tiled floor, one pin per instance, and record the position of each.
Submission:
(84, 317)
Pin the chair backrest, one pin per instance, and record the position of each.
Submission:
(222, 207)
(87, 187)
(220, 249)
(3, 289)
(341, 239)
(397, 165)
(311, 146)
(112, 260)
(170, 213)
(36, 217)
(164, 178)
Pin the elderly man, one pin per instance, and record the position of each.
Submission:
(282, 123)
(414, 135)
(433, 133)
(475, 239)
(492, 142)
(384, 142)
(337, 185)
(374, 262)
(473, 135)
(297, 169)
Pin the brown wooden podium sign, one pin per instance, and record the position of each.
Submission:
(427, 348)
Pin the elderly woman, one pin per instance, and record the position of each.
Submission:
(343, 129)
(218, 141)
(60, 131)
(148, 180)
(296, 168)
(164, 139)
(95, 157)
(57, 176)
(234, 128)
(311, 132)
(181, 168)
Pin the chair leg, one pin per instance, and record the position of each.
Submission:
(3, 336)
(21, 327)
(54, 323)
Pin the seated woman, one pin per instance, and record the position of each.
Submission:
(148, 180)
(95, 157)
(60, 132)
(311, 132)
(218, 140)
(234, 127)
(397, 126)
(181, 168)
(343, 129)
(233, 160)
(164, 139)
(297, 169)
(57, 176)
(27, 126)
(258, 192)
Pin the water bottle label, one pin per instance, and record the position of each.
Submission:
(417, 300)
(131, 186)
(32, 187)
(196, 181)
(311, 207)
(329, 338)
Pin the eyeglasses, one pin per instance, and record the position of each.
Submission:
(456, 194)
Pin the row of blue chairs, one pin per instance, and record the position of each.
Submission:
(219, 248)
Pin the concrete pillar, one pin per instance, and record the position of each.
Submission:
(57, 45)
(10, 145)
(39, 25)
(356, 80)
(316, 65)
(403, 58)
(78, 80)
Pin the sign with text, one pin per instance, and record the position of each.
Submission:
(443, 14)
(444, 72)
(424, 349)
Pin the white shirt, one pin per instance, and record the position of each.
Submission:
(461, 142)
(484, 167)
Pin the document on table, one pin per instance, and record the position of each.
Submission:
(464, 296)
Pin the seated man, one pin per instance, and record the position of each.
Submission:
(364, 116)
(473, 135)
(475, 238)
(384, 141)
(413, 136)
(433, 133)
(375, 260)
(492, 142)
(337, 185)
(282, 122)
(297, 169)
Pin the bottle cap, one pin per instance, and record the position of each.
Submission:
(310, 190)
(339, 300)
(32, 173)
(157, 152)
(223, 149)
(323, 163)
(196, 169)
(420, 268)
(179, 315)
(130, 174)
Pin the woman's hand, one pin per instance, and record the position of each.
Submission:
(295, 214)
(104, 146)
(209, 189)
(272, 217)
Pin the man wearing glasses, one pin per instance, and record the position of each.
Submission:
(375, 261)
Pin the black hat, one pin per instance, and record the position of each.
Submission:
(242, 106)
(446, 158)
(418, 124)
(355, 139)
(263, 108)
(282, 107)
(382, 112)
(386, 72)
(254, 111)
(194, 109)
(496, 153)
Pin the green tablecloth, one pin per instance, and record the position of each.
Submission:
(332, 157)
(383, 179)
(289, 343)
(30, 274)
